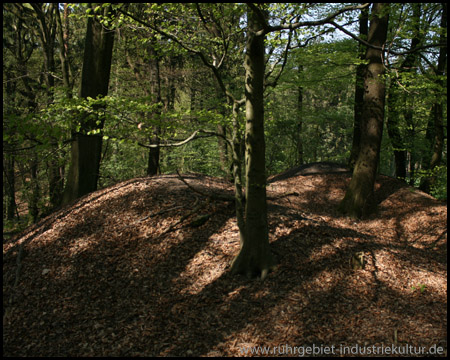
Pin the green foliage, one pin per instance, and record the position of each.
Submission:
(38, 121)
(420, 287)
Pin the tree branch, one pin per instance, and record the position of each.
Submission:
(195, 135)
(364, 42)
(268, 28)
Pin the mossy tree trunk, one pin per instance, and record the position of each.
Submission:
(359, 198)
(254, 258)
(86, 149)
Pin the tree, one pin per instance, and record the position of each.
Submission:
(20, 43)
(254, 257)
(86, 147)
(359, 197)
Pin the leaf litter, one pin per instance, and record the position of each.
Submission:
(118, 273)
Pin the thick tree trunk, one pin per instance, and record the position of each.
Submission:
(359, 199)
(85, 162)
(86, 149)
(254, 258)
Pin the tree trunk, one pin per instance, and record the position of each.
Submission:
(33, 202)
(155, 80)
(222, 130)
(393, 127)
(359, 199)
(86, 149)
(300, 120)
(9, 197)
(359, 90)
(254, 258)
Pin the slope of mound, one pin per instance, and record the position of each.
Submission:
(127, 271)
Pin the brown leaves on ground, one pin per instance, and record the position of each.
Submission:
(118, 273)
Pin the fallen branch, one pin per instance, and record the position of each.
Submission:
(293, 193)
(156, 214)
(211, 196)
(184, 217)
(433, 244)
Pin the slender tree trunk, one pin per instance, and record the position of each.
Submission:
(222, 130)
(86, 149)
(393, 127)
(33, 204)
(49, 27)
(9, 185)
(300, 119)
(359, 89)
(9, 102)
(154, 153)
(397, 101)
(359, 199)
(254, 258)
(63, 38)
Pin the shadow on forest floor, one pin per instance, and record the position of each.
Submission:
(123, 272)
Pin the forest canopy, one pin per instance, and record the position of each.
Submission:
(119, 91)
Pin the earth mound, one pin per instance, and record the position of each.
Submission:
(126, 271)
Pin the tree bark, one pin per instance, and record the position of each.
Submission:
(254, 258)
(86, 149)
(359, 198)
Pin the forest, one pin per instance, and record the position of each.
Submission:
(170, 166)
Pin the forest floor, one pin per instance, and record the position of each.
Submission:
(126, 271)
